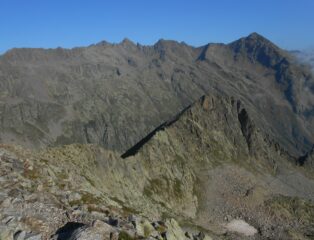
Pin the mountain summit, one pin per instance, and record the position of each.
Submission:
(257, 48)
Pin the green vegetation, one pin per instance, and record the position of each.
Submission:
(90, 180)
(125, 236)
(147, 231)
(129, 210)
(31, 174)
(164, 185)
(177, 187)
(155, 186)
(162, 228)
(87, 198)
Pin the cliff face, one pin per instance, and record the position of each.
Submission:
(113, 95)
(208, 167)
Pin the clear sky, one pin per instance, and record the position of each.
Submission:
(68, 23)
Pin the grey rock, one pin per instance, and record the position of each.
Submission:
(144, 228)
(34, 237)
(19, 235)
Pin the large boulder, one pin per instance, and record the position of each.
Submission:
(174, 231)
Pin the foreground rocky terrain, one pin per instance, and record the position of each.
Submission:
(208, 173)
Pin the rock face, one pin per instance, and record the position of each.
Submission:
(114, 94)
(208, 167)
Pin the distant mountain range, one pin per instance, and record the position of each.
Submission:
(173, 142)
(114, 94)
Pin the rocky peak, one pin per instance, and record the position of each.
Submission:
(163, 43)
(254, 39)
(127, 43)
(171, 45)
(236, 123)
(257, 37)
(103, 43)
(257, 49)
(177, 51)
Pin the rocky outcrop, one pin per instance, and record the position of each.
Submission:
(34, 206)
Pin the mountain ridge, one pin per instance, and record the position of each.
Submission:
(85, 85)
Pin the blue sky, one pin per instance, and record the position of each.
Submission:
(68, 23)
